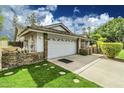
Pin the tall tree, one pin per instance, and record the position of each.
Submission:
(1, 22)
(84, 30)
(113, 30)
(89, 30)
(32, 19)
(15, 24)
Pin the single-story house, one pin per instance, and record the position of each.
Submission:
(53, 40)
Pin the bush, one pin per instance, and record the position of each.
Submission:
(83, 52)
(123, 45)
(111, 49)
(99, 43)
(3, 38)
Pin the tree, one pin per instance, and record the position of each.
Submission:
(15, 21)
(89, 30)
(3, 38)
(84, 30)
(1, 22)
(31, 19)
(95, 37)
(15, 24)
(113, 31)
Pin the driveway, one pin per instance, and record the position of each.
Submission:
(78, 61)
(105, 72)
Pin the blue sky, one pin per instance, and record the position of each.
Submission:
(75, 17)
(112, 10)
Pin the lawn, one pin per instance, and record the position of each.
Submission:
(43, 74)
(121, 55)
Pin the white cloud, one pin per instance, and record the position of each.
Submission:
(51, 7)
(76, 24)
(46, 17)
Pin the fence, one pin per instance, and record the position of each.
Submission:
(16, 44)
(4, 44)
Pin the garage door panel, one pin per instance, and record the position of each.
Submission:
(61, 48)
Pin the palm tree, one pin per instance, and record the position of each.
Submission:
(89, 30)
(84, 30)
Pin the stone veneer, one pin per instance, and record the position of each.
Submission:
(14, 59)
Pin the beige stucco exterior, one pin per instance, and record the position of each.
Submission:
(37, 40)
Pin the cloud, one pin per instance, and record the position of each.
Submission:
(46, 16)
(76, 24)
(51, 7)
(76, 10)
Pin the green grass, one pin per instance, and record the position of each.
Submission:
(31, 77)
(121, 55)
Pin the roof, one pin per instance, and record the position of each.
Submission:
(50, 29)
(57, 25)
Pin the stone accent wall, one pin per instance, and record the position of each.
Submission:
(14, 59)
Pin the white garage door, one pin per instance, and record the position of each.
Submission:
(58, 48)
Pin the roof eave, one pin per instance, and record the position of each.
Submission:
(30, 29)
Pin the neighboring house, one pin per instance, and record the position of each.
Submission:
(53, 40)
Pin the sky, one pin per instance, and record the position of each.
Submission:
(75, 17)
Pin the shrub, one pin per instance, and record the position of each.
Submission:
(3, 38)
(123, 45)
(83, 52)
(99, 43)
(111, 49)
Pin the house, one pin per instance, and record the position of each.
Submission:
(53, 40)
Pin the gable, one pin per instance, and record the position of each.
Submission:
(59, 27)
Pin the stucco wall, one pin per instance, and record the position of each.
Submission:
(39, 43)
(30, 42)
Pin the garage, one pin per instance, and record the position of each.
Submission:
(61, 46)
(52, 41)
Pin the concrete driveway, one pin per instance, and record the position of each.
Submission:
(105, 72)
(78, 61)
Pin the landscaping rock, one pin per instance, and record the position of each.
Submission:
(37, 66)
(24, 69)
(62, 73)
(76, 80)
(48, 69)
(52, 67)
(9, 73)
(45, 64)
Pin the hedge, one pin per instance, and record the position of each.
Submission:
(111, 49)
(99, 43)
